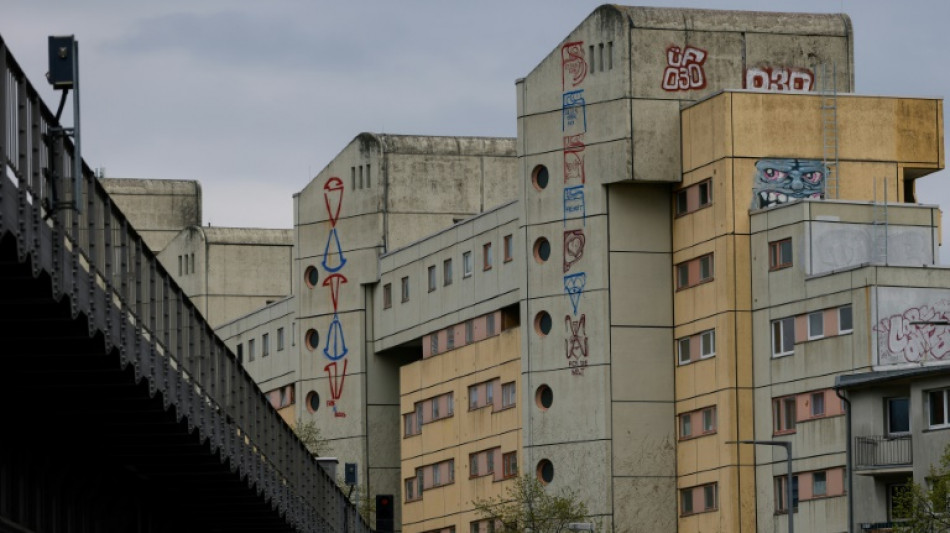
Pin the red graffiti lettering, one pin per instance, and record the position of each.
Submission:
(684, 70)
(574, 158)
(573, 64)
(779, 79)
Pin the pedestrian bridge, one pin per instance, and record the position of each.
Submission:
(121, 409)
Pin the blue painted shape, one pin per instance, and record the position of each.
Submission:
(336, 344)
(333, 238)
(573, 110)
(574, 287)
(574, 203)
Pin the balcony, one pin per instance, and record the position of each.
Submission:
(891, 453)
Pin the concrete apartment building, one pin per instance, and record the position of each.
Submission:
(687, 245)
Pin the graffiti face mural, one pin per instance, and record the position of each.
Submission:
(779, 181)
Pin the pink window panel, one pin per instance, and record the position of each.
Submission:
(831, 322)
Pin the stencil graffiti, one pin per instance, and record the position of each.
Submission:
(573, 65)
(574, 202)
(575, 346)
(779, 79)
(919, 334)
(574, 287)
(684, 70)
(778, 181)
(334, 281)
(573, 110)
(574, 241)
(574, 158)
(336, 387)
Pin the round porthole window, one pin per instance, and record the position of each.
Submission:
(542, 250)
(539, 177)
(312, 275)
(545, 471)
(312, 338)
(542, 323)
(544, 397)
(313, 401)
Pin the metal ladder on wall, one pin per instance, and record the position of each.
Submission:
(879, 222)
(828, 102)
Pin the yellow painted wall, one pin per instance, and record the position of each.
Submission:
(465, 432)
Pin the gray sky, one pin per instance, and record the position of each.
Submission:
(253, 98)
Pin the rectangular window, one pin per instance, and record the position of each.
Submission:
(387, 296)
(420, 484)
(489, 393)
(486, 256)
(819, 485)
(473, 397)
(709, 420)
(898, 416)
(469, 331)
(709, 497)
(436, 475)
(937, 402)
(265, 345)
(361, 176)
(707, 344)
(451, 469)
(682, 275)
(353, 178)
(781, 494)
(783, 415)
(466, 264)
(508, 395)
(705, 193)
(240, 353)
(369, 182)
(179, 266)
(280, 339)
(405, 289)
(510, 464)
(409, 423)
(251, 350)
(705, 268)
(818, 404)
(682, 203)
(490, 462)
(450, 339)
(474, 528)
(686, 501)
(509, 252)
(419, 427)
(450, 404)
(490, 324)
(783, 337)
(780, 254)
(816, 325)
(410, 493)
(434, 344)
(686, 425)
(845, 324)
(447, 272)
(682, 347)
(435, 408)
(473, 465)
(432, 279)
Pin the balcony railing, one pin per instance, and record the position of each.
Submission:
(883, 451)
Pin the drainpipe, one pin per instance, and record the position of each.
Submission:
(847, 415)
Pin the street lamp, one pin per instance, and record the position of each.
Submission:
(788, 479)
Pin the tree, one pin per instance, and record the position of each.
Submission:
(921, 509)
(526, 504)
(310, 435)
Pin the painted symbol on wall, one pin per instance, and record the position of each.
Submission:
(333, 198)
(779, 181)
(334, 281)
(574, 203)
(573, 110)
(573, 64)
(574, 241)
(576, 343)
(333, 260)
(336, 387)
(918, 334)
(574, 158)
(684, 70)
(779, 79)
(574, 287)
(336, 344)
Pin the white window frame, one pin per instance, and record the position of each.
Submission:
(682, 348)
(824, 483)
(433, 281)
(709, 492)
(467, 264)
(711, 335)
(686, 425)
(436, 475)
(435, 408)
(709, 420)
(840, 321)
(816, 332)
(781, 328)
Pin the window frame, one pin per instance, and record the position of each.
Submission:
(686, 502)
(777, 255)
(841, 309)
(508, 395)
(709, 418)
(683, 348)
(509, 464)
(711, 334)
(945, 398)
(782, 499)
(815, 484)
(265, 344)
(432, 278)
(447, 272)
(888, 409)
(812, 328)
(508, 248)
(473, 397)
(280, 339)
(710, 488)
(816, 399)
(786, 331)
(487, 258)
(404, 286)
(784, 420)
(467, 266)
(686, 425)
(387, 295)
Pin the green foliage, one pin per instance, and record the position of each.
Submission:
(920, 509)
(527, 505)
(310, 435)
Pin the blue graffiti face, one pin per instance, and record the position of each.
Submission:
(778, 181)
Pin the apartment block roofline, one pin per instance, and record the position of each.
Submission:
(870, 379)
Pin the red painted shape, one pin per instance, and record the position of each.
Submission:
(573, 63)
(334, 281)
(684, 70)
(333, 194)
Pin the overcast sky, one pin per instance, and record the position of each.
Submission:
(254, 98)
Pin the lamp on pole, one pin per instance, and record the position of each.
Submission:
(788, 479)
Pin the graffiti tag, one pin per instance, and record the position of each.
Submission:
(573, 64)
(684, 70)
(779, 79)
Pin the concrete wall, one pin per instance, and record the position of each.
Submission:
(157, 209)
